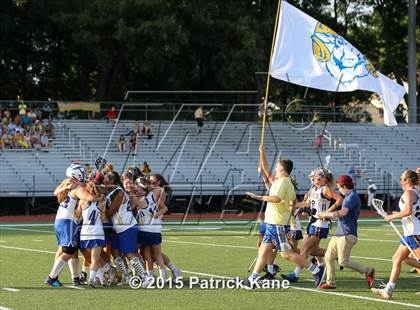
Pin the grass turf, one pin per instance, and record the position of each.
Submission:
(208, 248)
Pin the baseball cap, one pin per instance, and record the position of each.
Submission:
(345, 180)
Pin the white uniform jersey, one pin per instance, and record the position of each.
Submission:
(411, 224)
(92, 225)
(145, 217)
(295, 223)
(66, 209)
(321, 204)
(123, 219)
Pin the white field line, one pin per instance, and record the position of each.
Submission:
(293, 287)
(4, 308)
(10, 289)
(234, 246)
(191, 222)
(74, 287)
(321, 291)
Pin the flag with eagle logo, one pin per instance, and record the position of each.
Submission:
(310, 54)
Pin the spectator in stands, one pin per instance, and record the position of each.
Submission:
(27, 138)
(133, 143)
(6, 114)
(112, 115)
(6, 139)
(44, 140)
(145, 168)
(32, 116)
(22, 106)
(38, 113)
(121, 143)
(199, 117)
(136, 128)
(147, 130)
(371, 192)
(25, 119)
(36, 140)
(49, 128)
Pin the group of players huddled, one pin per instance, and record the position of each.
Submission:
(115, 222)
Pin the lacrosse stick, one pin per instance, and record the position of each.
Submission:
(253, 263)
(377, 204)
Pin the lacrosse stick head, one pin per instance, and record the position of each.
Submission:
(377, 204)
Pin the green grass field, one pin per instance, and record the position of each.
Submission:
(205, 250)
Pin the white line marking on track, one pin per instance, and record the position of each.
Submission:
(10, 289)
(293, 287)
(38, 240)
(206, 237)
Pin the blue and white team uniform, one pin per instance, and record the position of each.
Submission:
(295, 232)
(149, 227)
(124, 224)
(319, 228)
(92, 232)
(65, 224)
(411, 223)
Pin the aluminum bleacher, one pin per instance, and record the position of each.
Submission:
(214, 161)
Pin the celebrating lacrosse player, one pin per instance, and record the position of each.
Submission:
(410, 218)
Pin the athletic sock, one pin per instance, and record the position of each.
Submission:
(270, 269)
(136, 264)
(163, 273)
(297, 271)
(100, 273)
(58, 266)
(254, 277)
(172, 266)
(92, 275)
(86, 269)
(313, 268)
(119, 262)
(107, 267)
(390, 287)
(74, 268)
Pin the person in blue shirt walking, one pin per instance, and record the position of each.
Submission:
(346, 235)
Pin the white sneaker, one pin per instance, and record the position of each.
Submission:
(176, 273)
(382, 292)
(147, 281)
(112, 276)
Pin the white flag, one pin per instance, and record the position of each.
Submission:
(310, 54)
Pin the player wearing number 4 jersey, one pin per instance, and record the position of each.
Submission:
(92, 236)
(410, 218)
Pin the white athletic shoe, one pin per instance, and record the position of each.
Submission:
(112, 276)
(176, 273)
(382, 292)
(147, 281)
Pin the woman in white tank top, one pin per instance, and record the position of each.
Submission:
(410, 217)
(150, 209)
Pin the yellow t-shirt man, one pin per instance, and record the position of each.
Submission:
(278, 213)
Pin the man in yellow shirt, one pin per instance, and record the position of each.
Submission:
(280, 201)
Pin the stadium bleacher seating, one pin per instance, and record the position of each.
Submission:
(213, 161)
